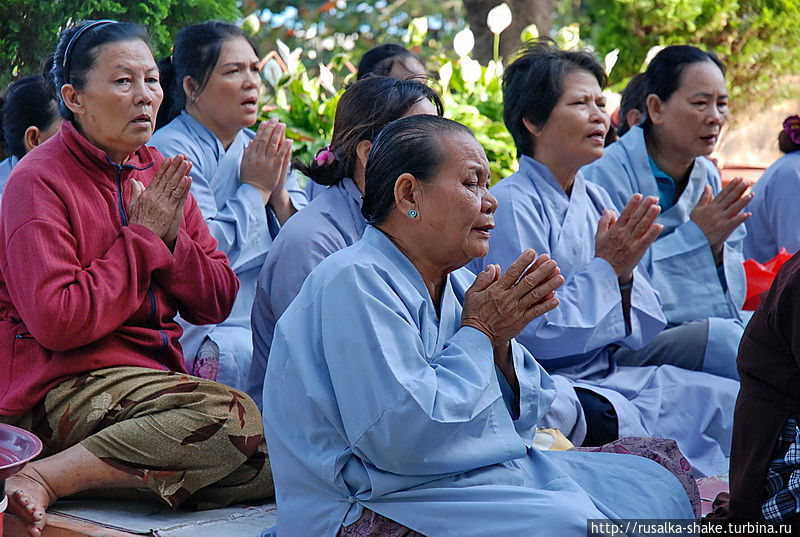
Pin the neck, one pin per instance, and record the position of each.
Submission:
(563, 171)
(668, 160)
(433, 275)
(224, 134)
(118, 157)
(359, 179)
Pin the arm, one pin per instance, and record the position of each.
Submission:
(447, 407)
(63, 304)
(199, 277)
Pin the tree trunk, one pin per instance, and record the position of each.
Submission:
(539, 12)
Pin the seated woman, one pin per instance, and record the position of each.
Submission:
(766, 436)
(773, 223)
(555, 109)
(418, 408)
(100, 244)
(333, 220)
(394, 61)
(236, 174)
(28, 117)
(696, 263)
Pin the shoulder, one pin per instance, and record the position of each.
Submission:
(599, 193)
(176, 137)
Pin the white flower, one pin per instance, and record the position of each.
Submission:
(651, 54)
(326, 79)
(445, 74)
(470, 70)
(312, 32)
(271, 72)
(611, 60)
(464, 42)
(499, 18)
(570, 36)
(493, 70)
(251, 24)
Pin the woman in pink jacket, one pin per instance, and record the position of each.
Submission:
(100, 246)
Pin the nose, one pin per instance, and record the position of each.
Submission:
(143, 94)
(599, 115)
(253, 79)
(715, 116)
(489, 203)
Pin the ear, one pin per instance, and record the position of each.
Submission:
(633, 117)
(31, 137)
(362, 152)
(533, 129)
(406, 193)
(72, 99)
(189, 88)
(655, 109)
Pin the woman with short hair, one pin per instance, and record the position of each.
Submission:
(239, 177)
(417, 406)
(100, 245)
(696, 262)
(332, 220)
(773, 223)
(555, 109)
(28, 117)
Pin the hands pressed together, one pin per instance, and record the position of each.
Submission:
(718, 217)
(159, 206)
(265, 163)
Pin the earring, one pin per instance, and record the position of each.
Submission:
(413, 213)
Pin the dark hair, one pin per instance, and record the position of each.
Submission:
(363, 110)
(533, 84)
(665, 72)
(89, 38)
(785, 144)
(380, 60)
(196, 52)
(634, 97)
(29, 102)
(407, 145)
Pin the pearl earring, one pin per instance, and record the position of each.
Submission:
(413, 213)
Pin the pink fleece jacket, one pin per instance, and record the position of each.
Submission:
(80, 289)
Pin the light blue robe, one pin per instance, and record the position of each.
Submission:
(314, 189)
(573, 340)
(331, 222)
(773, 224)
(5, 170)
(237, 218)
(403, 412)
(680, 261)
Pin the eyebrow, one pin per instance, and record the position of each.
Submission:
(708, 95)
(127, 69)
(238, 64)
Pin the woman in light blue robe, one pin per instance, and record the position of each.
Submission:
(28, 117)
(578, 339)
(332, 220)
(382, 396)
(240, 213)
(695, 283)
(773, 224)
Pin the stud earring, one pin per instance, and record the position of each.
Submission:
(413, 213)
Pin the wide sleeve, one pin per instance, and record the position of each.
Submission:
(590, 313)
(199, 277)
(64, 304)
(414, 413)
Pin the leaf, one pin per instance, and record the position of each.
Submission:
(203, 433)
(529, 33)
(247, 445)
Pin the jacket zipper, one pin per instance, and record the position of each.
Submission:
(24, 335)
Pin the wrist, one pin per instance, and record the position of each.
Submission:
(265, 193)
(280, 199)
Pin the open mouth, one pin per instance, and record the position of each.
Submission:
(597, 136)
(484, 230)
(710, 139)
(250, 103)
(143, 119)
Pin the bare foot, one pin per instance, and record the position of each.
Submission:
(28, 498)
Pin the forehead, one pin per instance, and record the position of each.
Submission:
(130, 54)
(463, 151)
(423, 106)
(702, 76)
(580, 81)
(236, 49)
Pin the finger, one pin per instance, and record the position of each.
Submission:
(540, 309)
(646, 221)
(640, 212)
(171, 174)
(159, 176)
(705, 197)
(629, 209)
(652, 233)
(534, 278)
(543, 291)
(182, 189)
(738, 205)
(733, 192)
(270, 138)
(605, 222)
(517, 269)
(483, 280)
(136, 189)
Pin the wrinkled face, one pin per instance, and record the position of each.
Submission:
(576, 129)
(691, 119)
(229, 100)
(456, 208)
(117, 108)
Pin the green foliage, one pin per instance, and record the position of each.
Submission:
(472, 95)
(29, 28)
(755, 39)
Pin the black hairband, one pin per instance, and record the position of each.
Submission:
(74, 39)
